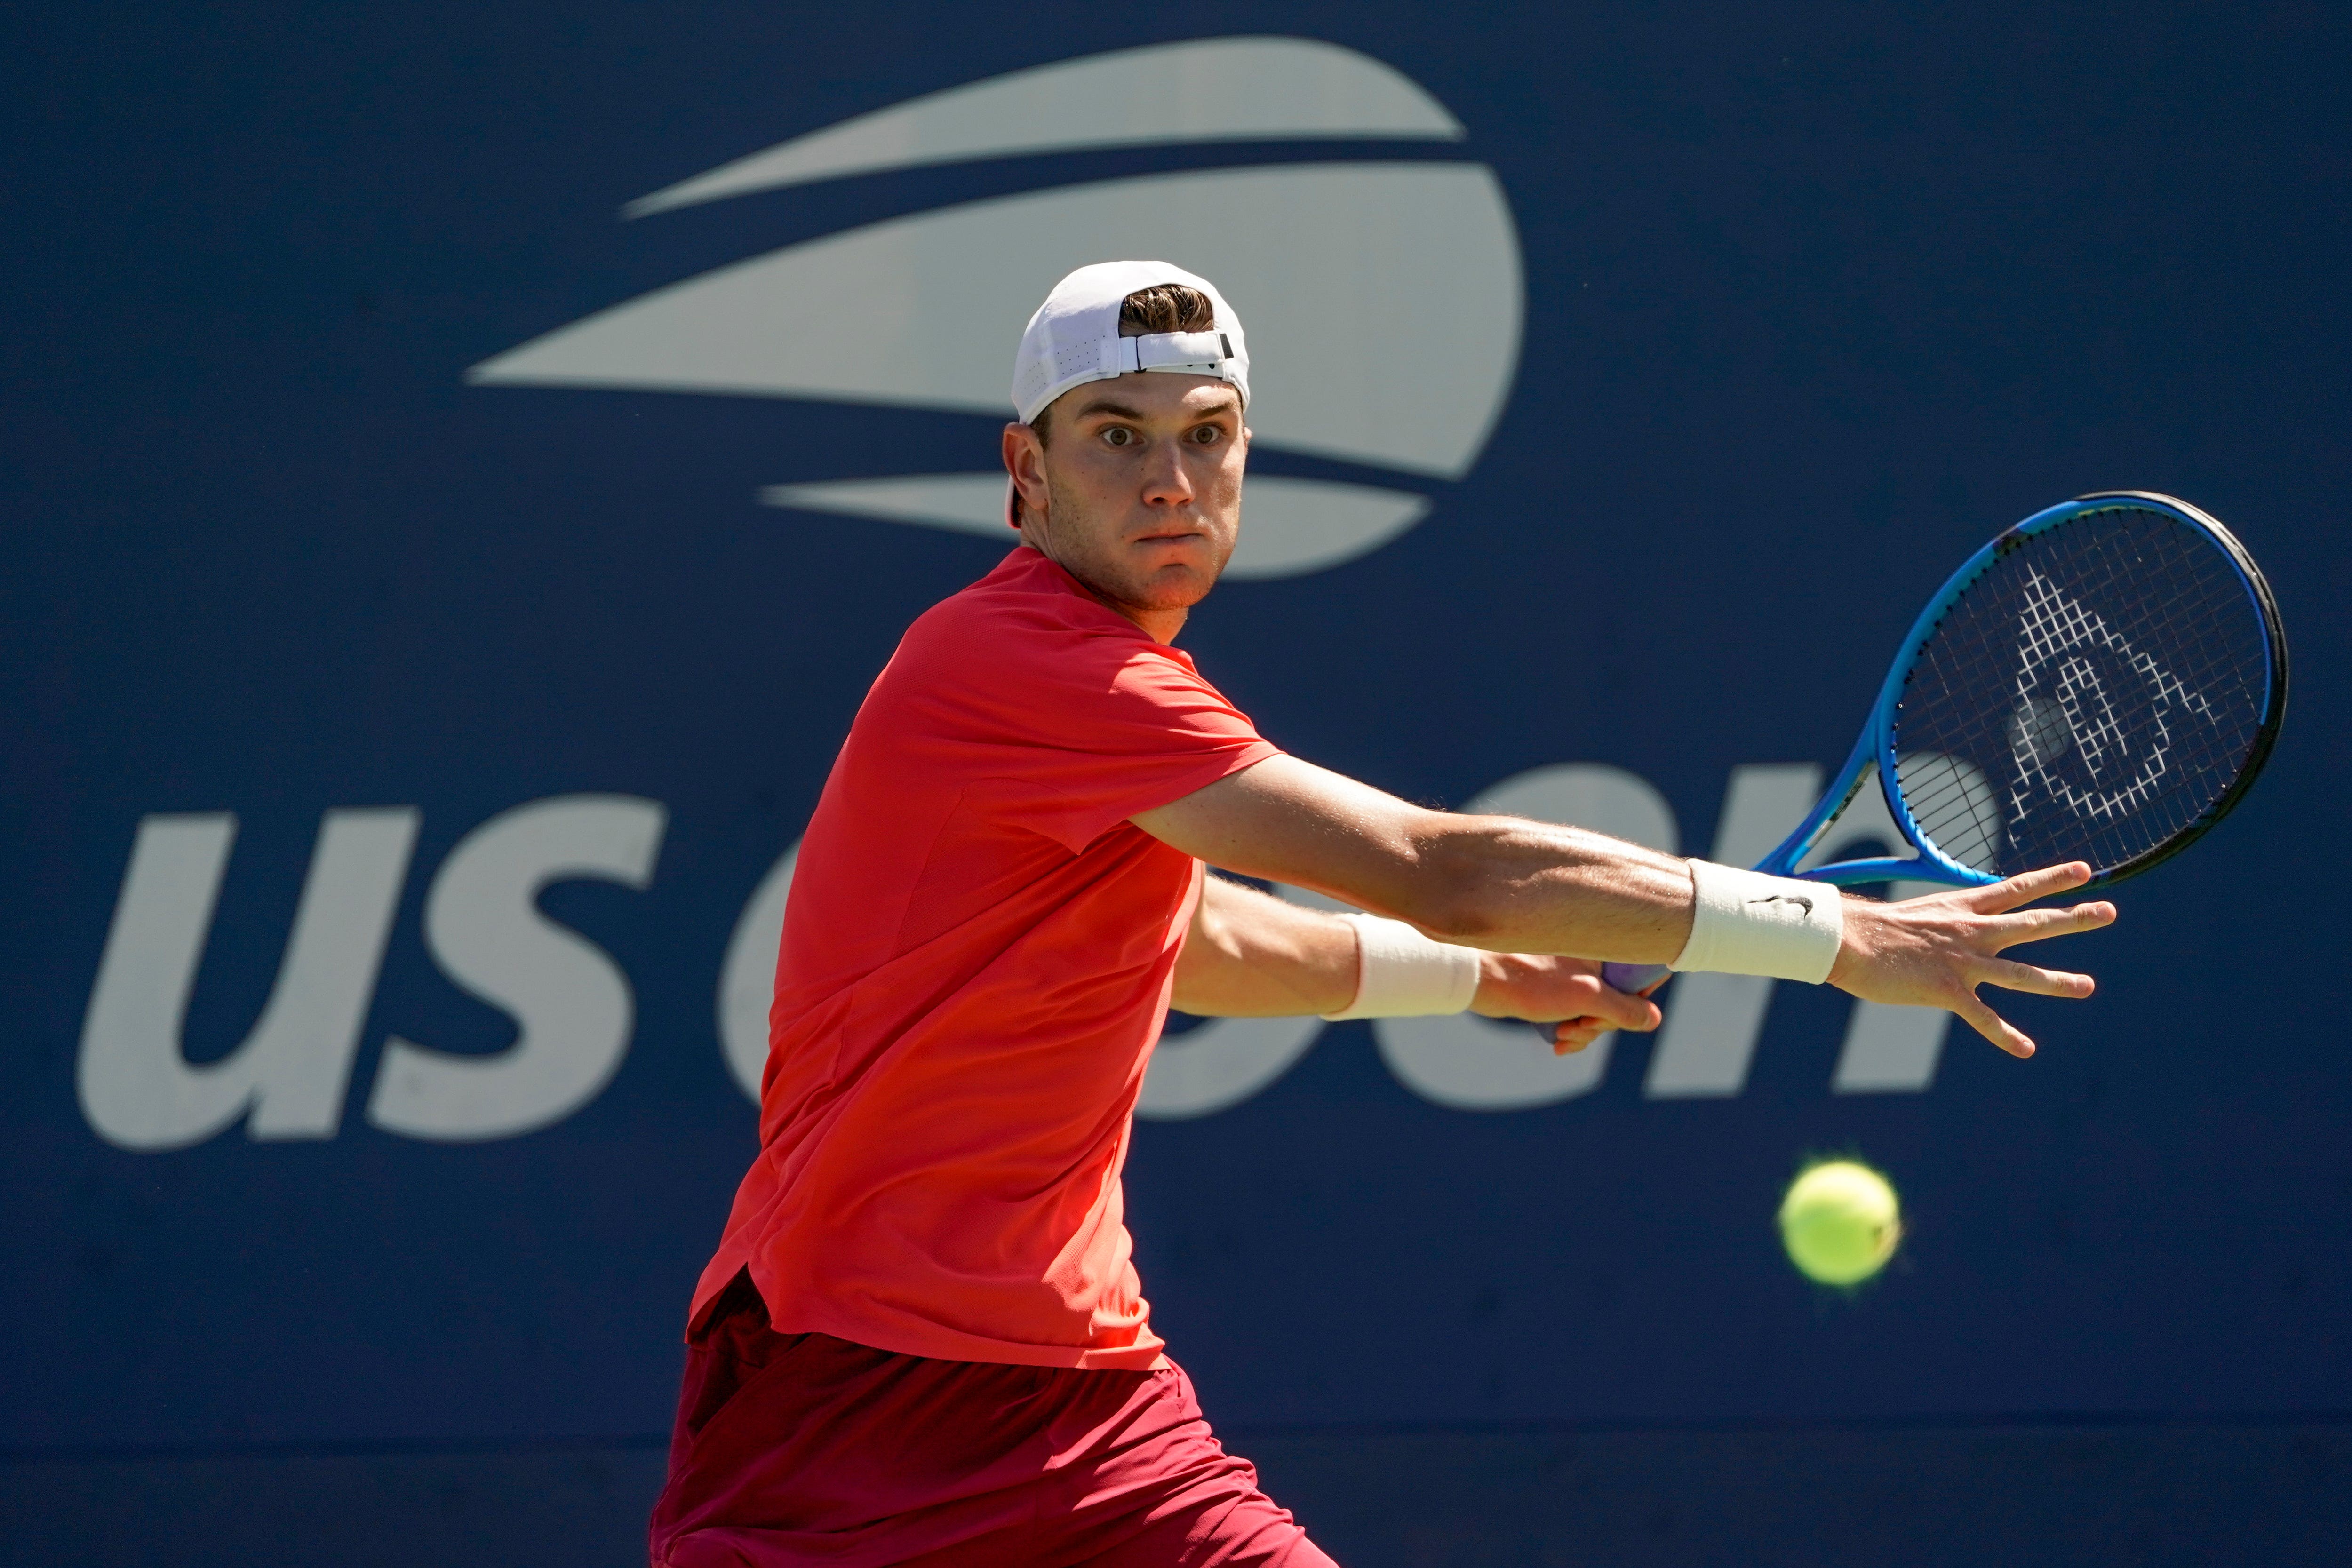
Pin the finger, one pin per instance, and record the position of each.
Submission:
(1615, 1009)
(1991, 1025)
(2002, 896)
(1576, 1034)
(2038, 925)
(2011, 976)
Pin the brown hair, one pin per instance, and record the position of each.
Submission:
(1165, 308)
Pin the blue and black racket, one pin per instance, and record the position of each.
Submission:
(2102, 683)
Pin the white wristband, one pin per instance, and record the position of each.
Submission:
(1745, 922)
(1401, 974)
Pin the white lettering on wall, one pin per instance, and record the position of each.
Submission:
(1472, 1063)
(574, 1008)
(1219, 1063)
(571, 1005)
(1713, 1020)
(1888, 1049)
(746, 980)
(288, 1078)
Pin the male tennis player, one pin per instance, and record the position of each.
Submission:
(921, 1340)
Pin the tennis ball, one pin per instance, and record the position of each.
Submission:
(1840, 1222)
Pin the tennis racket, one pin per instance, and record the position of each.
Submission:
(2102, 683)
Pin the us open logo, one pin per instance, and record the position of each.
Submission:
(923, 311)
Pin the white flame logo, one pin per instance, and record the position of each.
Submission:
(1384, 298)
(2064, 707)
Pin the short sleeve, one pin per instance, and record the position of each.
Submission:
(1082, 730)
(1155, 733)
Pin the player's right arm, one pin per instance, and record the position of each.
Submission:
(1499, 883)
(1507, 884)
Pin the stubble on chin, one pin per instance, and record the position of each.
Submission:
(1106, 575)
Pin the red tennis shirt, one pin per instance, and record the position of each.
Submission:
(977, 958)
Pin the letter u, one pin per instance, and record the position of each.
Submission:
(138, 1089)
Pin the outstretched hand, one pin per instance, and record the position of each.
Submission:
(1569, 992)
(1935, 951)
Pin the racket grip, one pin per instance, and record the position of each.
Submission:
(1633, 978)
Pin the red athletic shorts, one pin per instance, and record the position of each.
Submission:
(804, 1449)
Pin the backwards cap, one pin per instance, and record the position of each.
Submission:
(1074, 338)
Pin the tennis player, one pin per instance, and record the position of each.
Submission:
(921, 1340)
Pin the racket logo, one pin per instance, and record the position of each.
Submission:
(2092, 725)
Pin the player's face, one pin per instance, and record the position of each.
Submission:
(1139, 495)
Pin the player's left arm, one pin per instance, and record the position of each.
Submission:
(1249, 954)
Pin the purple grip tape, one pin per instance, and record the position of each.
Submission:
(1633, 978)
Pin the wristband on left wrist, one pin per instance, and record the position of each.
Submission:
(1400, 972)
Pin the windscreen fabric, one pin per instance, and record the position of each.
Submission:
(2093, 694)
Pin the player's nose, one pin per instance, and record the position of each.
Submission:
(1166, 481)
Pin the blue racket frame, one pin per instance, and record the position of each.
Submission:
(1873, 749)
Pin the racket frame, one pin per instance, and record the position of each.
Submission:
(1874, 757)
(1874, 750)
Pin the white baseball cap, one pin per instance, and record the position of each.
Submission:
(1074, 339)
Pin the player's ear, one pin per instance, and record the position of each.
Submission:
(1025, 460)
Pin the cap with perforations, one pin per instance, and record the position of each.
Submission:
(1074, 337)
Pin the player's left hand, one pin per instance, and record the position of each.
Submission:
(1935, 951)
(1569, 992)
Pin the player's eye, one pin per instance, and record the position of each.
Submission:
(1118, 435)
(1207, 434)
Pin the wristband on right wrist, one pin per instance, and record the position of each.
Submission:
(1745, 922)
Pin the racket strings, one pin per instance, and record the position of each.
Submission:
(2090, 694)
(2056, 630)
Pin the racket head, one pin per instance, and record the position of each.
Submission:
(2102, 683)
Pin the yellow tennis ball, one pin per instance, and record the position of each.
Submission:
(1840, 1222)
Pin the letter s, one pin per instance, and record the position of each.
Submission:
(571, 1005)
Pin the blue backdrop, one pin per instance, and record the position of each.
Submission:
(1814, 300)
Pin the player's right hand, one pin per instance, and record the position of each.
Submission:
(1935, 951)
(1565, 992)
